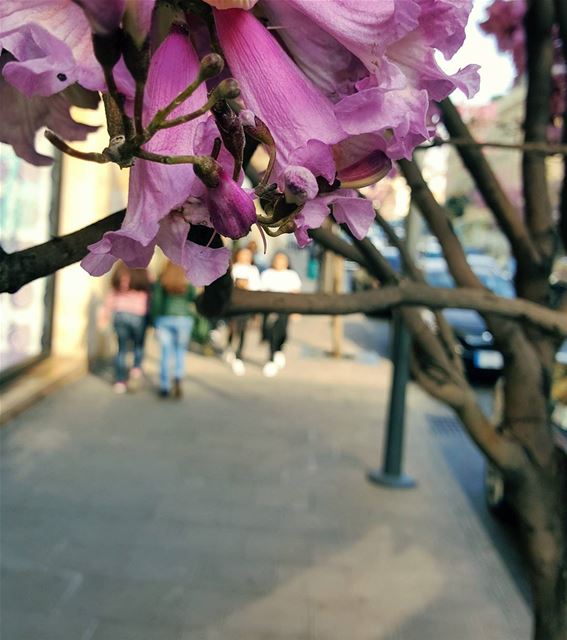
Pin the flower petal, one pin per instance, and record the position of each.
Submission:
(64, 21)
(310, 217)
(357, 213)
(22, 117)
(202, 265)
(294, 110)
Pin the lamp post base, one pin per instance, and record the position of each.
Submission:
(393, 481)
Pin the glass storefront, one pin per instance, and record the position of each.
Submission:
(28, 216)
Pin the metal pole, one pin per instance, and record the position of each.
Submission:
(391, 473)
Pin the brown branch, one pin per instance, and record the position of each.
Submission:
(21, 267)
(503, 451)
(543, 148)
(538, 24)
(392, 296)
(446, 333)
(440, 225)
(561, 14)
(506, 215)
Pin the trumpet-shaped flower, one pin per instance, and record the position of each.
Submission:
(52, 46)
(231, 209)
(156, 190)
(300, 117)
(383, 74)
(22, 117)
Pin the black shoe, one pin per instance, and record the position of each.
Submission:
(163, 393)
(177, 390)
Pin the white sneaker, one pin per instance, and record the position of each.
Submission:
(229, 356)
(279, 359)
(270, 369)
(238, 367)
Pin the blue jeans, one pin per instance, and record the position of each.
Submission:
(129, 328)
(174, 335)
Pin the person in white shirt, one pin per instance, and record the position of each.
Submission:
(281, 279)
(245, 276)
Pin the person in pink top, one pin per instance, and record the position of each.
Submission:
(127, 305)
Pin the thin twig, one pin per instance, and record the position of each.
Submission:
(535, 147)
(90, 156)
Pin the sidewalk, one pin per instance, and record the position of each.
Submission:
(243, 513)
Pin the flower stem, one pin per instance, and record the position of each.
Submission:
(139, 107)
(162, 159)
(166, 124)
(75, 153)
(160, 117)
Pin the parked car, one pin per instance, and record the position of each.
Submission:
(475, 340)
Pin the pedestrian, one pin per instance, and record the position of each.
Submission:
(126, 304)
(282, 279)
(245, 276)
(259, 259)
(173, 315)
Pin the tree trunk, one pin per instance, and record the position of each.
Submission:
(541, 503)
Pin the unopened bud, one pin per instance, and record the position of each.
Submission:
(231, 131)
(208, 171)
(211, 65)
(255, 128)
(247, 118)
(231, 209)
(228, 89)
(300, 185)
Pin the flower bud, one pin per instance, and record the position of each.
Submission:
(231, 209)
(211, 65)
(231, 130)
(228, 89)
(255, 128)
(300, 185)
(232, 4)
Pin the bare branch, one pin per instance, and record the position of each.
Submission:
(561, 14)
(539, 47)
(542, 148)
(439, 222)
(391, 296)
(445, 331)
(507, 217)
(21, 267)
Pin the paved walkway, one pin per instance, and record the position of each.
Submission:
(243, 513)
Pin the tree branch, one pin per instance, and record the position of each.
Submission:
(21, 267)
(391, 296)
(538, 24)
(445, 331)
(439, 222)
(543, 148)
(507, 217)
(561, 15)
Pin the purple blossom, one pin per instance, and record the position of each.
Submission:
(231, 209)
(157, 190)
(52, 46)
(23, 116)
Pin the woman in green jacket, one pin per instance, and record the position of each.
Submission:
(173, 315)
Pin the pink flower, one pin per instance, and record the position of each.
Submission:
(382, 74)
(231, 209)
(301, 119)
(506, 22)
(157, 192)
(23, 116)
(52, 46)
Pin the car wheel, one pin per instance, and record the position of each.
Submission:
(495, 491)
